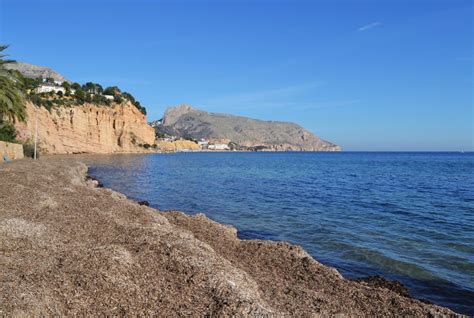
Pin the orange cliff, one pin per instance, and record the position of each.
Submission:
(87, 128)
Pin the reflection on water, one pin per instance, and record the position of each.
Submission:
(408, 216)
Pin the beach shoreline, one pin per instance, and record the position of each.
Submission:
(70, 247)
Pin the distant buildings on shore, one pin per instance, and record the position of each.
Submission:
(218, 147)
(208, 145)
(204, 144)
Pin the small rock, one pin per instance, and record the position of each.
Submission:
(144, 202)
(94, 181)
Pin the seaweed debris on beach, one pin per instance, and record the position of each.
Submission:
(68, 247)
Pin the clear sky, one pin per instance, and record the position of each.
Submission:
(367, 75)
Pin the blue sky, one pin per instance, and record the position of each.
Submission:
(367, 75)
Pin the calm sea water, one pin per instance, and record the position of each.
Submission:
(407, 216)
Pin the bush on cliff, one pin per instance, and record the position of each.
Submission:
(48, 105)
(100, 100)
(7, 132)
(27, 83)
(112, 90)
(80, 96)
(87, 93)
(134, 102)
(92, 88)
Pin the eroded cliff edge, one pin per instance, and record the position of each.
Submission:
(69, 248)
(87, 128)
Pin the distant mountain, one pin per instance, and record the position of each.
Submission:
(187, 122)
(35, 71)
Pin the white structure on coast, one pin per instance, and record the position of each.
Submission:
(203, 143)
(218, 147)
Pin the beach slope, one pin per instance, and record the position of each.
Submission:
(68, 247)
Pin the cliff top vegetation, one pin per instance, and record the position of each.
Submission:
(50, 93)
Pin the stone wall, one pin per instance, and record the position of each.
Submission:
(10, 150)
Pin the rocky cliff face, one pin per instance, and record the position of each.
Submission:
(185, 121)
(35, 71)
(87, 129)
(178, 145)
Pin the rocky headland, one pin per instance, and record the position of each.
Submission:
(69, 247)
(245, 133)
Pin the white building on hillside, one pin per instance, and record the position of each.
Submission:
(47, 88)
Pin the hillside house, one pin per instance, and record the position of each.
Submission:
(48, 87)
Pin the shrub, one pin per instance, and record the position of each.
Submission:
(92, 88)
(98, 99)
(48, 104)
(129, 97)
(28, 83)
(159, 135)
(29, 150)
(7, 132)
(35, 99)
(80, 96)
(112, 90)
(134, 102)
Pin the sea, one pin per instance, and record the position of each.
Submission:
(403, 215)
